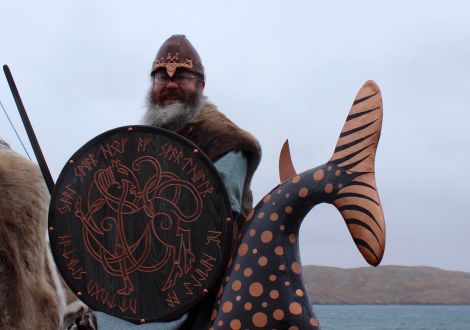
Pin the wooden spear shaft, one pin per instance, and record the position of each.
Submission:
(29, 130)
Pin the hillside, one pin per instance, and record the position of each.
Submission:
(386, 285)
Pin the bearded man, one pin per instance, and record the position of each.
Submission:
(176, 102)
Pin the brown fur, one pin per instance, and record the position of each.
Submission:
(28, 298)
(214, 133)
(31, 293)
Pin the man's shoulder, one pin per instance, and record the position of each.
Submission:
(211, 115)
(214, 130)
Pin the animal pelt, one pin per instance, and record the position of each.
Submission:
(31, 294)
(214, 133)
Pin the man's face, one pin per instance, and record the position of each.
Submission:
(184, 87)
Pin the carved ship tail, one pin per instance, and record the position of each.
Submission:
(352, 189)
(264, 288)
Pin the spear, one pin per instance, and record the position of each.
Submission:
(29, 130)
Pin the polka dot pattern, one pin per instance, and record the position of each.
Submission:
(264, 289)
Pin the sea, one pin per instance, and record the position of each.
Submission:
(393, 317)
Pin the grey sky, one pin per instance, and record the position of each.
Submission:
(280, 70)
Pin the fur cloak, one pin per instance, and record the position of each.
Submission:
(29, 285)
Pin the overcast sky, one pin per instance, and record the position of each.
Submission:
(280, 70)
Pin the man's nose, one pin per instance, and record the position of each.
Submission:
(171, 84)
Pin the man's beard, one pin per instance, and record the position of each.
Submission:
(173, 116)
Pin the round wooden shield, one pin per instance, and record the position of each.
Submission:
(139, 224)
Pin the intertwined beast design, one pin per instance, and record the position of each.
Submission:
(264, 287)
(119, 190)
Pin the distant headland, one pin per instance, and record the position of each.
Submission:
(386, 285)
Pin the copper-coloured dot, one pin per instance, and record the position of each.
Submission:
(248, 272)
(228, 219)
(71, 161)
(142, 321)
(195, 151)
(292, 238)
(79, 293)
(296, 267)
(279, 250)
(242, 249)
(314, 322)
(295, 308)
(329, 188)
(130, 129)
(227, 307)
(256, 289)
(205, 291)
(259, 319)
(236, 285)
(266, 236)
(303, 192)
(274, 294)
(235, 324)
(278, 314)
(51, 229)
(318, 175)
(262, 261)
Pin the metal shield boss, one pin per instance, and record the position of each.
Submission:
(139, 224)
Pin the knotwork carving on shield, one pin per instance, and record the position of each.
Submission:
(138, 224)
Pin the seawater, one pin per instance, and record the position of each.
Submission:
(393, 317)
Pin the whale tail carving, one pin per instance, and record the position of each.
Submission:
(358, 201)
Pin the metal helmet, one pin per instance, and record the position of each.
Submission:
(177, 52)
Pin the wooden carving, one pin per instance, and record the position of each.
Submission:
(264, 287)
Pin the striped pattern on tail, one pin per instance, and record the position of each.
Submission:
(359, 201)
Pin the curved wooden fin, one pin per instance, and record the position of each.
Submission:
(359, 201)
(286, 168)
